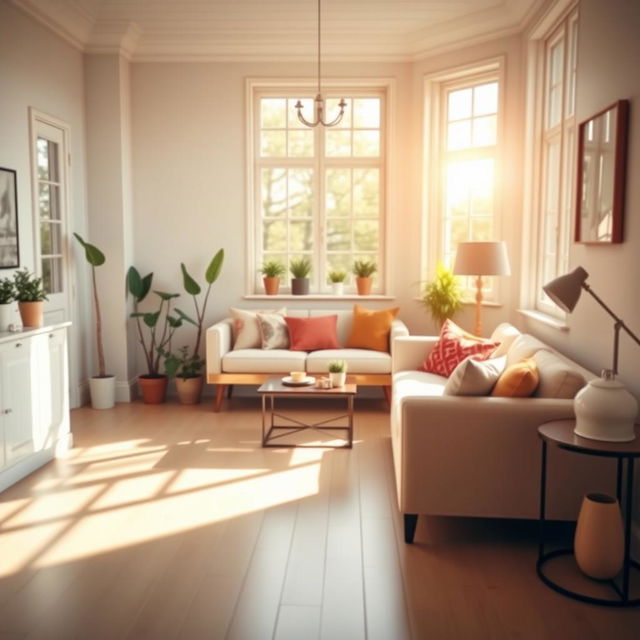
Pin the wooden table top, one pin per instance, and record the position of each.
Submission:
(561, 432)
(274, 384)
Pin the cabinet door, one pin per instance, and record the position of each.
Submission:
(16, 399)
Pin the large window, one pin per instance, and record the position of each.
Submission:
(318, 192)
(556, 177)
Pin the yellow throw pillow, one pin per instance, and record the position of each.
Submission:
(519, 380)
(371, 328)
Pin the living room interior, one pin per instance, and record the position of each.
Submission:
(173, 520)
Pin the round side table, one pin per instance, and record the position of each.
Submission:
(560, 434)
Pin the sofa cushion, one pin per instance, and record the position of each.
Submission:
(453, 346)
(260, 361)
(371, 328)
(310, 334)
(358, 360)
(246, 332)
(505, 334)
(343, 323)
(517, 381)
(557, 378)
(417, 384)
(474, 377)
(524, 346)
(273, 331)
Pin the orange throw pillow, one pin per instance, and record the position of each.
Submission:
(519, 380)
(371, 328)
(311, 334)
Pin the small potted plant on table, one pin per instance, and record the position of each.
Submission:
(7, 296)
(337, 279)
(300, 269)
(30, 296)
(272, 271)
(364, 270)
(338, 373)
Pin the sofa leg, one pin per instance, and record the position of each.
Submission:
(229, 391)
(410, 523)
(219, 397)
(387, 395)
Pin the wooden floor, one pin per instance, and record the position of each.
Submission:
(173, 522)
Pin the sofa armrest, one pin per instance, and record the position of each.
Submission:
(219, 341)
(398, 329)
(409, 352)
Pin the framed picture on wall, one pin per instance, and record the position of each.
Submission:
(9, 249)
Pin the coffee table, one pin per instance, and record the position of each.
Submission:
(273, 430)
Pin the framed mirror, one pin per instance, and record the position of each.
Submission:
(602, 158)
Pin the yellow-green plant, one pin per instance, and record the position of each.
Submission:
(442, 296)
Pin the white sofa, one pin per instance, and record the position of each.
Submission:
(481, 456)
(226, 366)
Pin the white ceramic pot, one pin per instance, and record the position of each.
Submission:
(103, 392)
(338, 379)
(337, 288)
(7, 315)
(605, 410)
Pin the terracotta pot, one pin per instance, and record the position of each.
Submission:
(31, 313)
(299, 286)
(599, 538)
(271, 285)
(153, 388)
(363, 286)
(189, 389)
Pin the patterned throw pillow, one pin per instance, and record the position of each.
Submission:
(246, 332)
(273, 331)
(453, 346)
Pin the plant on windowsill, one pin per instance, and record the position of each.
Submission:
(338, 373)
(442, 297)
(337, 279)
(187, 366)
(160, 326)
(272, 271)
(102, 388)
(7, 296)
(364, 270)
(30, 296)
(300, 269)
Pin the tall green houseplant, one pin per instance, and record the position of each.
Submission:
(442, 297)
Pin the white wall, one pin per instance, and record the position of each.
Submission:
(39, 70)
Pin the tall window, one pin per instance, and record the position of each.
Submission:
(558, 153)
(318, 192)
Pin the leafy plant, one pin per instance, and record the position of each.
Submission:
(337, 366)
(7, 291)
(161, 324)
(190, 366)
(443, 296)
(28, 287)
(273, 269)
(337, 276)
(300, 267)
(95, 258)
(364, 268)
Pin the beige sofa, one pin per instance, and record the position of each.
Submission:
(481, 456)
(226, 366)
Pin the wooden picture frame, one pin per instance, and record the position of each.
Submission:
(9, 245)
(601, 175)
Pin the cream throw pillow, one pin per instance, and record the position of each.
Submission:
(246, 332)
(474, 377)
(557, 378)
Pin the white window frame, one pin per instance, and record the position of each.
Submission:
(554, 26)
(436, 87)
(259, 88)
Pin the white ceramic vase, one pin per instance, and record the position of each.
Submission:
(338, 379)
(605, 410)
(337, 288)
(103, 392)
(7, 314)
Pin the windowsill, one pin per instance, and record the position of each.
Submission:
(544, 318)
(316, 296)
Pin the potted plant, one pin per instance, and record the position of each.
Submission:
(337, 279)
(7, 296)
(363, 270)
(102, 387)
(30, 296)
(442, 297)
(161, 326)
(187, 366)
(272, 270)
(338, 373)
(300, 269)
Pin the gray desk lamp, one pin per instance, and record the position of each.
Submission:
(605, 410)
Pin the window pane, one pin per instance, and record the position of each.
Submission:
(273, 113)
(340, 262)
(273, 144)
(365, 235)
(366, 144)
(366, 192)
(459, 135)
(485, 99)
(300, 238)
(275, 235)
(50, 238)
(481, 229)
(554, 84)
(300, 192)
(457, 230)
(301, 144)
(52, 275)
(484, 131)
(338, 143)
(274, 192)
(459, 104)
(338, 196)
(338, 235)
(47, 160)
(366, 113)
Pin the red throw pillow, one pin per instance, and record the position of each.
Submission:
(311, 334)
(453, 346)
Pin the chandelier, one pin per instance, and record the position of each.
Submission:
(319, 100)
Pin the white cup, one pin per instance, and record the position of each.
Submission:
(298, 376)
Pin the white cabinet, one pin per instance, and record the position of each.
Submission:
(34, 405)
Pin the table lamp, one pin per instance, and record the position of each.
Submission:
(605, 410)
(481, 259)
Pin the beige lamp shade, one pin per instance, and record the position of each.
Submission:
(482, 259)
(565, 291)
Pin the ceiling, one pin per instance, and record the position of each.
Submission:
(383, 30)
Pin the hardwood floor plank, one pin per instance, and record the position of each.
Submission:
(297, 622)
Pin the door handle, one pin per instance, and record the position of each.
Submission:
(7, 411)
